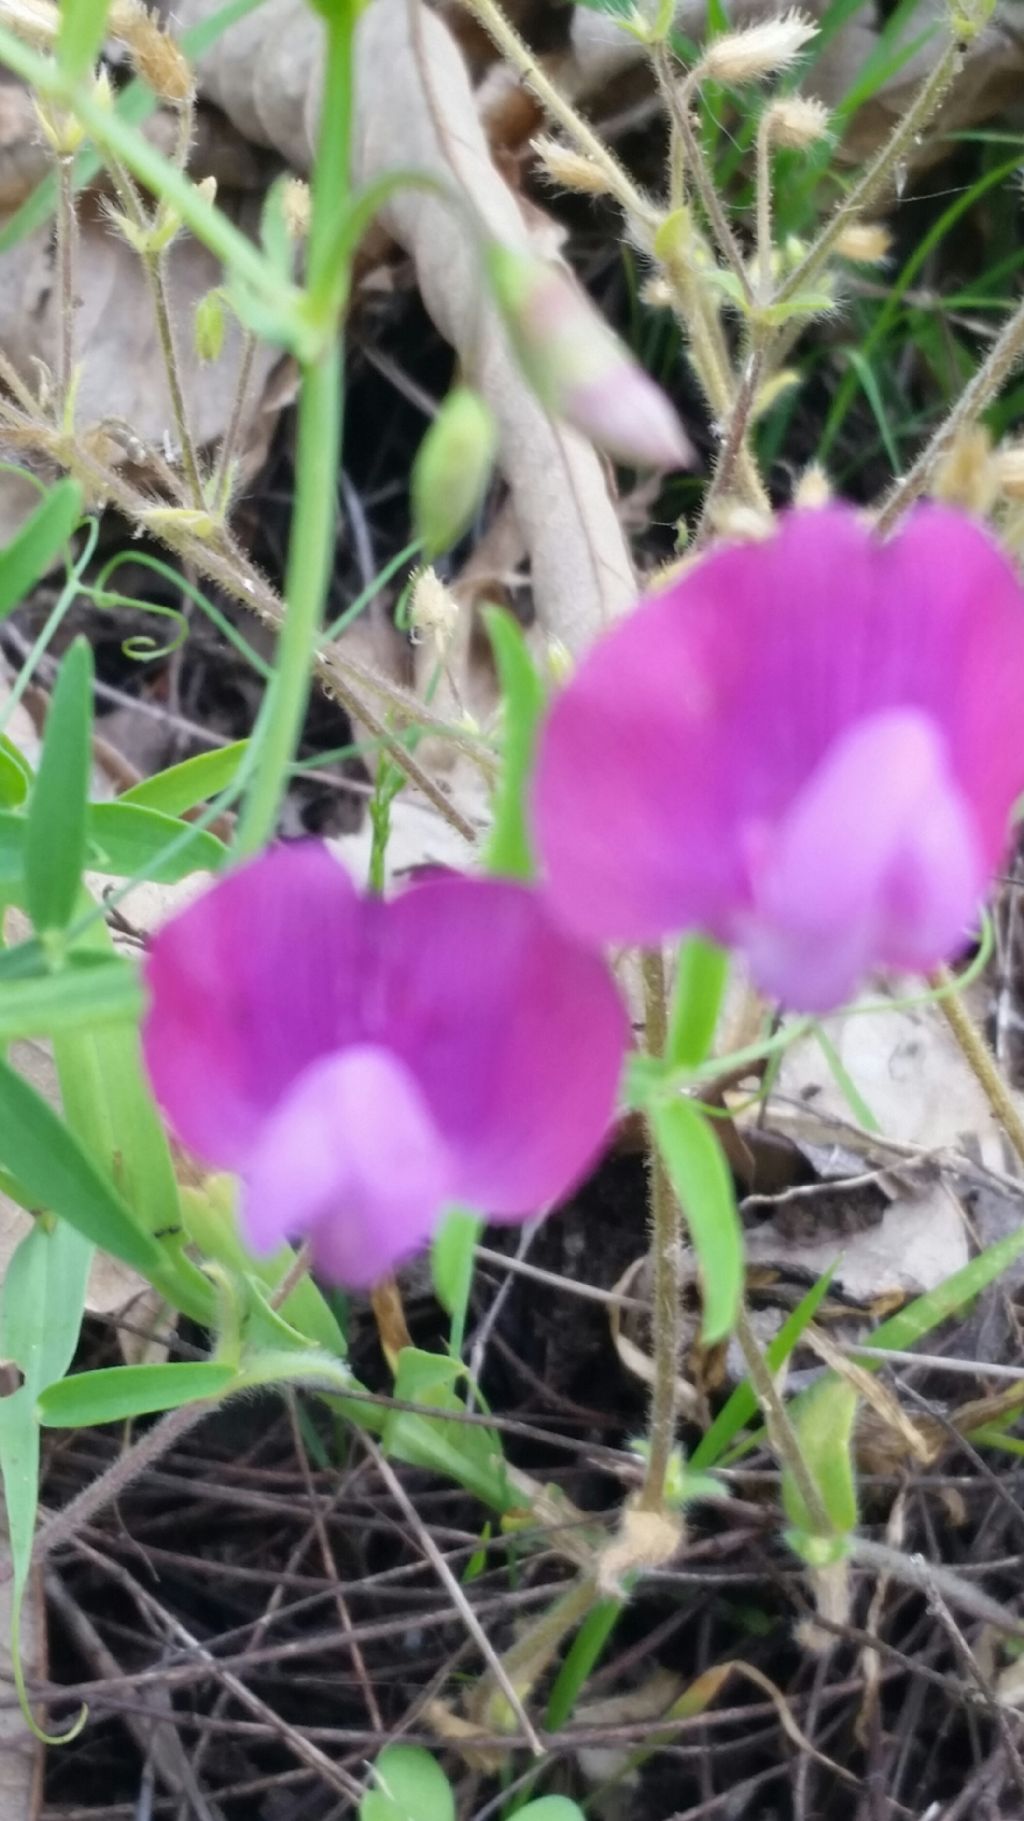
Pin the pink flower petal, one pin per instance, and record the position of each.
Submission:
(692, 734)
(251, 983)
(361, 1064)
(352, 1158)
(514, 1032)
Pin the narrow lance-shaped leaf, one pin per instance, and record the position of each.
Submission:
(509, 851)
(702, 971)
(40, 1152)
(700, 1177)
(55, 840)
(40, 540)
(194, 781)
(41, 1304)
(120, 1393)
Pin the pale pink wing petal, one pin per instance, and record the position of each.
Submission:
(902, 884)
(351, 1160)
(514, 1033)
(250, 984)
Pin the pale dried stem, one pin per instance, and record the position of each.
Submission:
(455, 1592)
(154, 267)
(11, 378)
(980, 1059)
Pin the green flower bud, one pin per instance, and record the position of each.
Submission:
(452, 469)
(209, 326)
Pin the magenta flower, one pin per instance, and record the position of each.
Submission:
(361, 1064)
(807, 748)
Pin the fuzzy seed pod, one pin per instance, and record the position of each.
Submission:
(569, 169)
(759, 50)
(797, 121)
(867, 243)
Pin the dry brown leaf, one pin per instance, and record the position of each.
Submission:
(416, 111)
(116, 336)
(908, 1068)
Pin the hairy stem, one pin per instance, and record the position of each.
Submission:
(734, 443)
(763, 191)
(781, 1433)
(504, 36)
(108, 1486)
(666, 1247)
(154, 267)
(1005, 353)
(876, 179)
(221, 482)
(534, 1649)
(67, 245)
(678, 99)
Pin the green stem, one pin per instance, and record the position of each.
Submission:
(310, 557)
(318, 452)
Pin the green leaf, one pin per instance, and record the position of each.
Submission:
(702, 973)
(31, 551)
(55, 834)
(550, 1808)
(451, 1267)
(83, 25)
(509, 852)
(409, 1785)
(116, 1394)
(37, 1149)
(194, 781)
(80, 996)
(823, 1420)
(125, 839)
(41, 1303)
(700, 1177)
(15, 775)
(738, 1409)
(468, 1453)
(137, 841)
(906, 1328)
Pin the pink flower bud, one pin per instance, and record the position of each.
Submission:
(579, 369)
